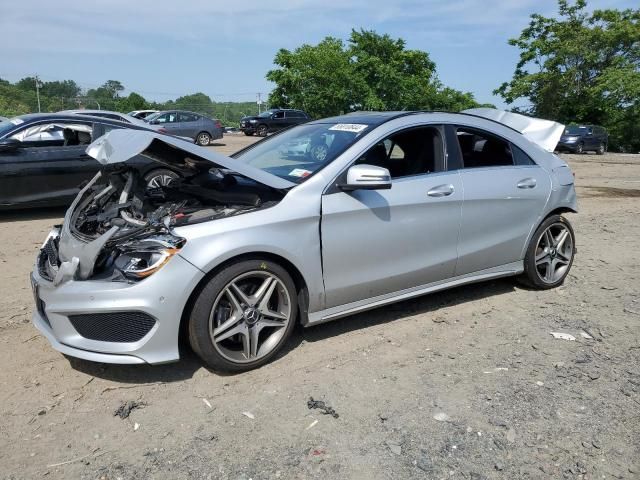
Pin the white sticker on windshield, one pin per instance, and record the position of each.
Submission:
(349, 127)
(299, 172)
(16, 121)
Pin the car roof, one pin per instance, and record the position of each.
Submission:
(34, 117)
(88, 111)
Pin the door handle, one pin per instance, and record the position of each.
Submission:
(441, 191)
(527, 183)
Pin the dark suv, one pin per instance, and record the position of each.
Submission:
(584, 138)
(272, 121)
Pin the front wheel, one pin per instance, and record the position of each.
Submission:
(243, 316)
(580, 148)
(550, 254)
(203, 139)
(262, 130)
(602, 148)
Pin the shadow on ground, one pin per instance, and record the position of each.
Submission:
(190, 363)
(134, 374)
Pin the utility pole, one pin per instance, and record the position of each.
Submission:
(38, 85)
(259, 102)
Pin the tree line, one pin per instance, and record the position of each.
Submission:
(579, 67)
(20, 97)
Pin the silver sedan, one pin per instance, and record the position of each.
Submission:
(238, 250)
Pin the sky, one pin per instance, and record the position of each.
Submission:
(163, 50)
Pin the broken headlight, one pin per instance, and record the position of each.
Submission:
(141, 259)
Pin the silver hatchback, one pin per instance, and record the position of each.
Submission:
(375, 208)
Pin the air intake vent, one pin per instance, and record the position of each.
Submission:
(121, 327)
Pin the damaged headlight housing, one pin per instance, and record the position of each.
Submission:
(141, 259)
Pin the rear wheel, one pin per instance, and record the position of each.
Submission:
(262, 130)
(550, 254)
(203, 139)
(243, 316)
(160, 178)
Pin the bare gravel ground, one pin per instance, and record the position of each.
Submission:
(466, 384)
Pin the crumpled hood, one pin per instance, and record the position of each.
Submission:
(543, 133)
(120, 145)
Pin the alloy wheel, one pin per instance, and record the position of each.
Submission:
(319, 152)
(250, 316)
(262, 131)
(554, 253)
(204, 139)
(161, 180)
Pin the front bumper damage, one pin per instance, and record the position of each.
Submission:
(162, 297)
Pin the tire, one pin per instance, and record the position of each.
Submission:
(249, 134)
(227, 304)
(549, 258)
(203, 139)
(580, 148)
(319, 152)
(160, 177)
(602, 148)
(262, 130)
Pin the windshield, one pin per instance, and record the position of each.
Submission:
(575, 130)
(299, 152)
(8, 125)
(151, 117)
(265, 114)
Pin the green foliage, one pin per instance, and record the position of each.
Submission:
(372, 72)
(582, 68)
(20, 98)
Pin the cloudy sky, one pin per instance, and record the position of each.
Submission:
(167, 49)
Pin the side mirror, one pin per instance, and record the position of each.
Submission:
(9, 145)
(367, 177)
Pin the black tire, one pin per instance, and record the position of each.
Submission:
(532, 277)
(262, 130)
(199, 328)
(602, 148)
(203, 139)
(249, 134)
(580, 148)
(159, 177)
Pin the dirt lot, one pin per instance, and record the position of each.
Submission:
(465, 384)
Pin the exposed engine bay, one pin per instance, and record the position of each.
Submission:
(118, 228)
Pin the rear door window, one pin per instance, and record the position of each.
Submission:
(481, 149)
(187, 117)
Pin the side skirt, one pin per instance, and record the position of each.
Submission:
(352, 308)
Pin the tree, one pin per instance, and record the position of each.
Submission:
(372, 72)
(581, 68)
(318, 79)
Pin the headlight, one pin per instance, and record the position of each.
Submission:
(141, 259)
(253, 121)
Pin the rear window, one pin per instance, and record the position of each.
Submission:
(575, 130)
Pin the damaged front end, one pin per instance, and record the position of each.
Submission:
(118, 229)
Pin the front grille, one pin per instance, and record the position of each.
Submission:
(121, 327)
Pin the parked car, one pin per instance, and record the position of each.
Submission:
(121, 117)
(188, 124)
(246, 246)
(142, 114)
(43, 160)
(584, 138)
(272, 121)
